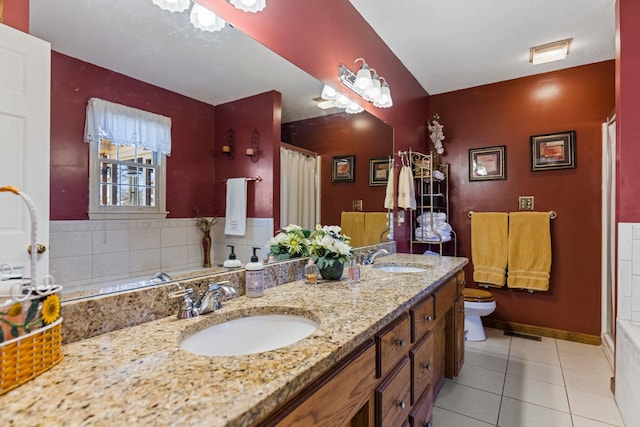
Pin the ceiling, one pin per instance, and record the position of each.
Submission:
(446, 45)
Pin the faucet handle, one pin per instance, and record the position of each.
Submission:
(187, 308)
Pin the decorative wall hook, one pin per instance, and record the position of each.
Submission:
(254, 151)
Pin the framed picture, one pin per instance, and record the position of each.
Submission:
(343, 169)
(378, 171)
(487, 164)
(553, 151)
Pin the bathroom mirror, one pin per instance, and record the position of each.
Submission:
(136, 38)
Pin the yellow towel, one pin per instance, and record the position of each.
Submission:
(489, 236)
(352, 224)
(529, 250)
(375, 223)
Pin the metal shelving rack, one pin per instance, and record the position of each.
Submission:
(428, 186)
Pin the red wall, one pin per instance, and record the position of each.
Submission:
(16, 14)
(343, 134)
(508, 113)
(190, 168)
(260, 112)
(628, 110)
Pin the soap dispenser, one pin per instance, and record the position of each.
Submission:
(232, 262)
(254, 276)
(311, 273)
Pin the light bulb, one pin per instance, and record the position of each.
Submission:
(204, 19)
(353, 108)
(173, 5)
(363, 78)
(342, 101)
(249, 5)
(328, 93)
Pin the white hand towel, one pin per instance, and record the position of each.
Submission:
(406, 190)
(388, 197)
(235, 223)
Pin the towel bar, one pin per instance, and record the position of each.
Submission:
(250, 178)
(552, 214)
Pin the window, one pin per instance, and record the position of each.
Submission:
(127, 161)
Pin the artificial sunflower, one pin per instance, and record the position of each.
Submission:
(51, 309)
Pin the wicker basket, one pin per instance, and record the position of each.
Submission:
(26, 357)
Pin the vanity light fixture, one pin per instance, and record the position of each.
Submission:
(254, 151)
(249, 5)
(228, 148)
(367, 84)
(331, 98)
(549, 52)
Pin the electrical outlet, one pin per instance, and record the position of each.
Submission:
(525, 203)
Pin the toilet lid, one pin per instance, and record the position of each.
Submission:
(476, 295)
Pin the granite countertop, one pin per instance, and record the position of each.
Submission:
(140, 376)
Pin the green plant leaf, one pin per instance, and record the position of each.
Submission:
(1, 335)
(14, 331)
(33, 310)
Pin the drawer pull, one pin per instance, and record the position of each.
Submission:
(461, 310)
(401, 404)
(401, 342)
(428, 318)
(462, 282)
(426, 424)
(426, 366)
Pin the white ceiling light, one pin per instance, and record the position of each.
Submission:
(374, 88)
(249, 5)
(204, 19)
(353, 108)
(549, 52)
(173, 5)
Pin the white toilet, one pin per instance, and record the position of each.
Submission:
(477, 303)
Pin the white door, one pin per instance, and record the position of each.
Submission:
(25, 75)
(608, 237)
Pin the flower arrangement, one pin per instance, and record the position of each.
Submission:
(203, 223)
(436, 133)
(327, 245)
(291, 242)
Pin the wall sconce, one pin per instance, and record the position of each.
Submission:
(228, 148)
(367, 84)
(254, 150)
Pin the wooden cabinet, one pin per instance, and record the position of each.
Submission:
(392, 379)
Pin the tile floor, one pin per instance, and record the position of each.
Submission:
(516, 382)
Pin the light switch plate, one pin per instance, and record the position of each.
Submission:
(525, 203)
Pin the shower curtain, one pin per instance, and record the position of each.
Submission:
(299, 189)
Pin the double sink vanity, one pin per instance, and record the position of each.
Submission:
(373, 353)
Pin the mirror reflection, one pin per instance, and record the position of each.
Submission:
(155, 48)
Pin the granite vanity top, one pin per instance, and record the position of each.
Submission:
(140, 376)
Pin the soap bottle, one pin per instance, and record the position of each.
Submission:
(232, 262)
(254, 277)
(311, 273)
(354, 271)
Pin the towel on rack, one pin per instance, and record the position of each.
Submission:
(406, 189)
(529, 250)
(388, 197)
(428, 234)
(489, 239)
(235, 223)
(375, 224)
(428, 217)
(352, 224)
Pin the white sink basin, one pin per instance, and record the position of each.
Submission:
(393, 268)
(249, 335)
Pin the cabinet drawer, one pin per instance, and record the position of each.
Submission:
(392, 343)
(421, 357)
(445, 296)
(421, 414)
(392, 396)
(422, 317)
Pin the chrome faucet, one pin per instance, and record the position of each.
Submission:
(372, 257)
(207, 302)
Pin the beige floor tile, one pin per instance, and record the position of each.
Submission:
(523, 343)
(472, 402)
(594, 406)
(586, 422)
(535, 371)
(491, 361)
(537, 392)
(587, 381)
(482, 378)
(497, 342)
(546, 355)
(442, 417)
(577, 347)
(515, 413)
(595, 363)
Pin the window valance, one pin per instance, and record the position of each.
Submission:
(123, 125)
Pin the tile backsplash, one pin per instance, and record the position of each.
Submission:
(94, 251)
